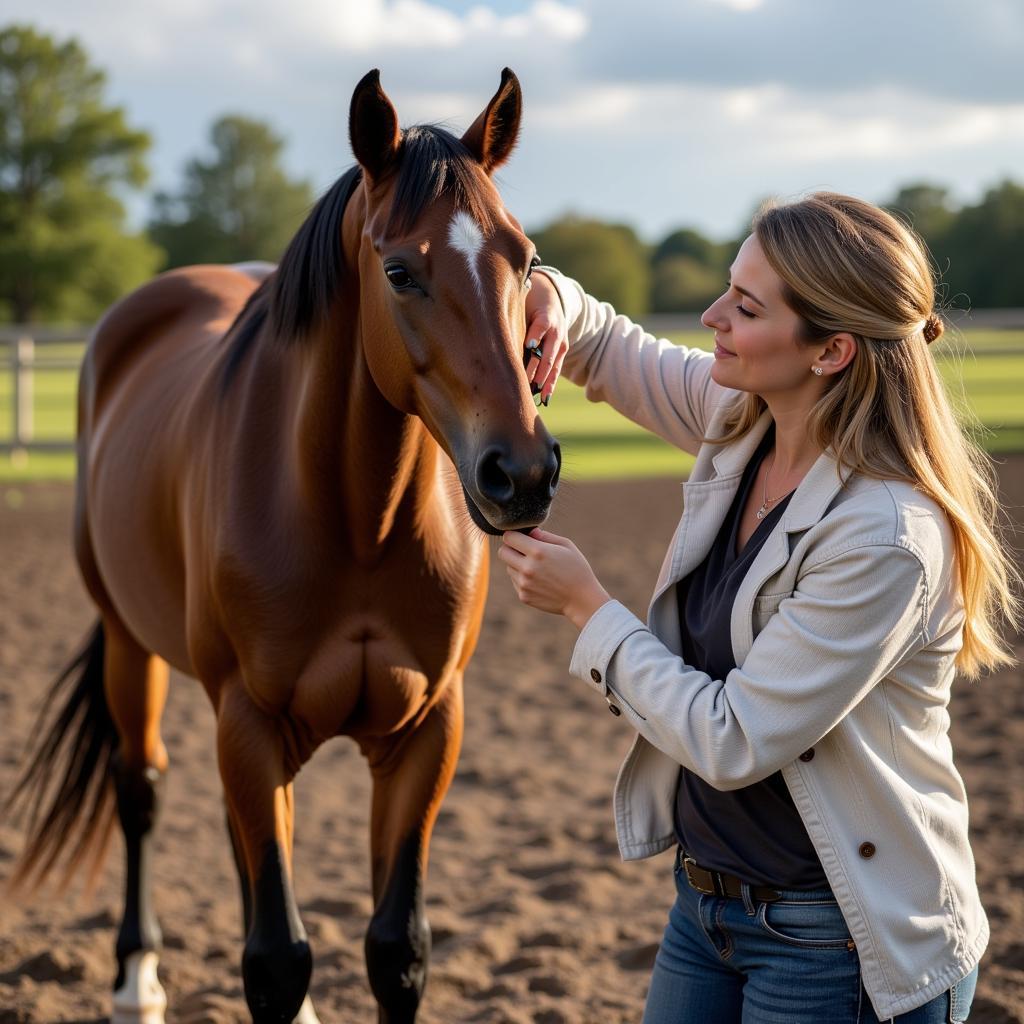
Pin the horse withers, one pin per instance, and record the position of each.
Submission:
(284, 481)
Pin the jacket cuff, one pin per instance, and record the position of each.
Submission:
(569, 293)
(598, 641)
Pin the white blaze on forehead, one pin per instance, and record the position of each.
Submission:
(465, 236)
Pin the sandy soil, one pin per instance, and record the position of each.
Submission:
(535, 919)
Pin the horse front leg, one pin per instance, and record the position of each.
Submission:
(409, 782)
(277, 962)
(306, 1014)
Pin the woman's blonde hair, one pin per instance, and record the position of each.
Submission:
(848, 266)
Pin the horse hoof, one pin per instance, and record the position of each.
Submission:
(141, 999)
(306, 1014)
(276, 980)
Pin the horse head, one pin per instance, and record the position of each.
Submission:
(443, 269)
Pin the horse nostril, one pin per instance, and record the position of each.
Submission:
(494, 483)
(556, 456)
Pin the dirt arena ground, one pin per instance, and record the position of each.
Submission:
(535, 919)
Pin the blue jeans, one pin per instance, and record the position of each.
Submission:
(729, 960)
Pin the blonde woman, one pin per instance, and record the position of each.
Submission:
(837, 563)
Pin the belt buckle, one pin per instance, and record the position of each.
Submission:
(688, 863)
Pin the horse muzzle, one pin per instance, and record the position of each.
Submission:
(508, 491)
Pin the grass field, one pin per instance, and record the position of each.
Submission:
(599, 443)
(596, 441)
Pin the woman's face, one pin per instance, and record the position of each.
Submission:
(756, 346)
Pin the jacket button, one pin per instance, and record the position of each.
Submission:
(867, 850)
(595, 675)
(807, 755)
(615, 709)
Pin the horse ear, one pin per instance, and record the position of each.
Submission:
(491, 137)
(373, 127)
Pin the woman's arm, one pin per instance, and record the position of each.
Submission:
(663, 387)
(853, 617)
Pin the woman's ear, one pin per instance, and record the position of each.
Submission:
(839, 352)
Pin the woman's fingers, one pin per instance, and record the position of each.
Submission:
(547, 388)
(534, 541)
(518, 566)
(522, 556)
(510, 557)
(546, 333)
(537, 326)
(536, 331)
(519, 542)
(532, 366)
(544, 536)
(550, 347)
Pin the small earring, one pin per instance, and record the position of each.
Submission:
(817, 369)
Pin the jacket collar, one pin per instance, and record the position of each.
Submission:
(709, 493)
(731, 459)
(815, 492)
(812, 498)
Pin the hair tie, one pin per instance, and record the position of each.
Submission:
(933, 328)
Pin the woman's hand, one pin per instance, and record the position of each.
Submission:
(550, 573)
(546, 329)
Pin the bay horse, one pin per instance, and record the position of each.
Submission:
(285, 477)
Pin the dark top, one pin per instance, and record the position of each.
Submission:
(756, 832)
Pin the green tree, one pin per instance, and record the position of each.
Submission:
(690, 243)
(688, 271)
(609, 260)
(680, 284)
(985, 243)
(64, 155)
(240, 205)
(926, 208)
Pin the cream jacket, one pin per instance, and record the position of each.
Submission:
(844, 630)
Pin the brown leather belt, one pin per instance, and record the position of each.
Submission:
(718, 883)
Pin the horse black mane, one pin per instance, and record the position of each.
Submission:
(431, 163)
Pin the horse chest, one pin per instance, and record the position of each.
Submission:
(371, 680)
(392, 647)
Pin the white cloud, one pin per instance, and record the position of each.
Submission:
(740, 5)
(747, 104)
(656, 113)
(170, 33)
(600, 106)
(677, 154)
(881, 125)
(932, 47)
(362, 25)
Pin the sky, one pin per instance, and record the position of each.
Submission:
(656, 114)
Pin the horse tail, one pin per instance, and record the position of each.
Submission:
(77, 813)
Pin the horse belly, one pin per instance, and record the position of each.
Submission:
(146, 593)
(131, 475)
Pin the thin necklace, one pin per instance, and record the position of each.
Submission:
(765, 500)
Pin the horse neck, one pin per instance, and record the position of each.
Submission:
(369, 466)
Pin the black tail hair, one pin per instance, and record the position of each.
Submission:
(79, 810)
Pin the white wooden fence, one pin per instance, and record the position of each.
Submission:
(26, 356)
(25, 349)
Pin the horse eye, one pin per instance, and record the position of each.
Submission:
(535, 262)
(398, 276)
